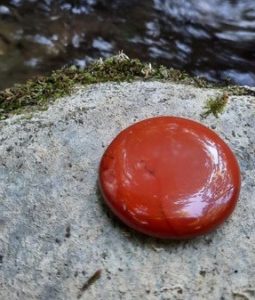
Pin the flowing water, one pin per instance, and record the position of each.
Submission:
(214, 39)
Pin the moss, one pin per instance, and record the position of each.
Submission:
(234, 90)
(175, 75)
(37, 93)
(216, 105)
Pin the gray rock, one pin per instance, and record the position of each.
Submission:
(55, 231)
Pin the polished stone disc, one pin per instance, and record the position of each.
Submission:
(170, 177)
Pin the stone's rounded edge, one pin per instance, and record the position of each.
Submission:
(164, 235)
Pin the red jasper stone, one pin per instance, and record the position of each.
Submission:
(170, 177)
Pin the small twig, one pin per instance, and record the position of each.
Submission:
(89, 282)
(241, 295)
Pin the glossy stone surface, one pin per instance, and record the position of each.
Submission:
(170, 177)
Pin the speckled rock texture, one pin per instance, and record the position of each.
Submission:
(55, 231)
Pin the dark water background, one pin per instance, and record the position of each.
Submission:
(210, 38)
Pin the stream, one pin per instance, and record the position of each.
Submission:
(214, 39)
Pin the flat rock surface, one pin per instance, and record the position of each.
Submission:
(55, 231)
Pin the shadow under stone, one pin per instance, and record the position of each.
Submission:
(142, 239)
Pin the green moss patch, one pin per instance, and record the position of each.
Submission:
(216, 105)
(37, 93)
